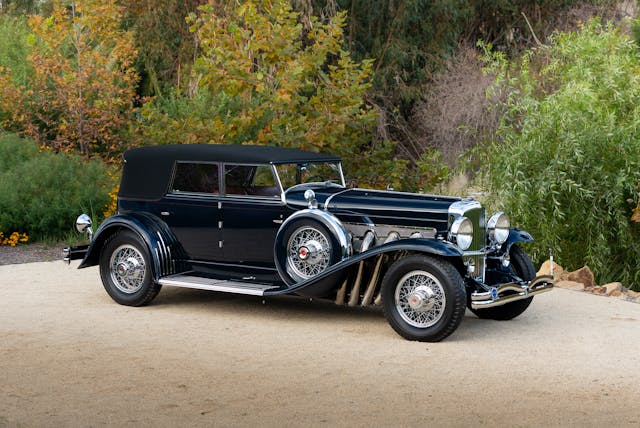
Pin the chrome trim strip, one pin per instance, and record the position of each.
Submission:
(496, 296)
(326, 203)
(188, 281)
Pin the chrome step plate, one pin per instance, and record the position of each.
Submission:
(190, 281)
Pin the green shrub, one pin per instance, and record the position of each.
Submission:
(15, 49)
(567, 161)
(41, 193)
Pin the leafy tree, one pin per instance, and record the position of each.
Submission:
(164, 43)
(264, 77)
(82, 89)
(567, 160)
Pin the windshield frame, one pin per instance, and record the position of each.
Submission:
(338, 164)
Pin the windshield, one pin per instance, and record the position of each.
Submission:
(311, 172)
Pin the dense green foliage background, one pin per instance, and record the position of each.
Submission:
(555, 143)
(41, 192)
(566, 163)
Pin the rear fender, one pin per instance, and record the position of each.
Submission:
(165, 251)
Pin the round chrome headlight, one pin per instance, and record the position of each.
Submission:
(461, 233)
(498, 227)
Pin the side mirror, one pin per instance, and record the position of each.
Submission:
(83, 224)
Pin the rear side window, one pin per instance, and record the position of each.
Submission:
(193, 177)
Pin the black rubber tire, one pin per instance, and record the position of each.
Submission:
(149, 289)
(522, 266)
(454, 292)
(281, 251)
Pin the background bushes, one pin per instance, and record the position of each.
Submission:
(41, 193)
(567, 161)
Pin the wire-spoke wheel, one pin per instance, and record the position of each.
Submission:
(306, 249)
(125, 270)
(309, 252)
(420, 299)
(423, 298)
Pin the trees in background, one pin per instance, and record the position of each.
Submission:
(264, 76)
(566, 162)
(79, 93)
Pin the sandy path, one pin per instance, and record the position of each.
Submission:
(69, 356)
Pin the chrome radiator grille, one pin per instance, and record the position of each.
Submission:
(476, 251)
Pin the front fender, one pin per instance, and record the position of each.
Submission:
(165, 251)
(515, 236)
(420, 245)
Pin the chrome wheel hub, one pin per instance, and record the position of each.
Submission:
(127, 269)
(309, 253)
(420, 299)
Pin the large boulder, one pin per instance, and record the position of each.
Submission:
(583, 275)
(558, 272)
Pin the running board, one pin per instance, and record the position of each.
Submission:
(201, 283)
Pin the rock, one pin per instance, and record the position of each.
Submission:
(598, 290)
(570, 285)
(616, 293)
(633, 294)
(583, 275)
(558, 271)
(613, 287)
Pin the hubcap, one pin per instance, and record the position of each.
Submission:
(308, 253)
(420, 299)
(127, 269)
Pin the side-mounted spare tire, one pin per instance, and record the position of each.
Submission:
(307, 244)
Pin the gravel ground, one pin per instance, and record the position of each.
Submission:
(30, 253)
(70, 356)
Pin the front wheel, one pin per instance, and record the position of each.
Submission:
(423, 298)
(125, 270)
(522, 266)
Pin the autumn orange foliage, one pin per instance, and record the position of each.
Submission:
(81, 92)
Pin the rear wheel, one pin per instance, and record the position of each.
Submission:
(522, 266)
(423, 298)
(125, 270)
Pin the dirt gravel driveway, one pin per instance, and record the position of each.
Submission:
(69, 356)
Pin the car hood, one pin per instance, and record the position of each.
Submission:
(380, 207)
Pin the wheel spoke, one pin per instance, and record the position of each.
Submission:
(309, 252)
(420, 299)
(127, 269)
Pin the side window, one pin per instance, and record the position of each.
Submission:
(196, 178)
(250, 180)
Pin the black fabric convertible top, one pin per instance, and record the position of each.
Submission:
(147, 170)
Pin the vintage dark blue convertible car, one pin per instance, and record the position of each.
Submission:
(268, 221)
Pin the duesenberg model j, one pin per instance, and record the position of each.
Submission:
(268, 221)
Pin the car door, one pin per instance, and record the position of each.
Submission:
(191, 209)
(252, 212)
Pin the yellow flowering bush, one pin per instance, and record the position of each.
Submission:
(112, 206)
(13, 239)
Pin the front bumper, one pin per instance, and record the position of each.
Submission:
(507, 293)
(74, 253)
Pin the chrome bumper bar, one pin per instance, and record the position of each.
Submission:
(74, 253)
(507, 293)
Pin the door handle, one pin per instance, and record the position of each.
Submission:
(165, 213)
